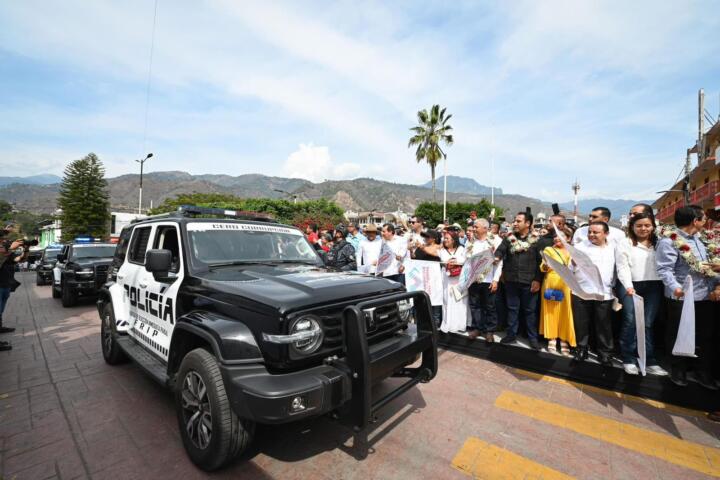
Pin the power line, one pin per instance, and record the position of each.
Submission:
(149, 78)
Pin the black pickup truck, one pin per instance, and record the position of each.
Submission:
(81, 270)
(240, 318)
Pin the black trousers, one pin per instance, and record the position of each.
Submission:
(482, 307)
(705, 326)
(598, 314)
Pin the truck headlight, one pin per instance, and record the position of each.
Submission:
(404, 309)
(305, 335)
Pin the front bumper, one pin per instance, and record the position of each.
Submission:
(84, 286)
(342, 384)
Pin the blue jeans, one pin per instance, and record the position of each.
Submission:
(518, 295)
(481, 302)
(4, 295)
(652, 294)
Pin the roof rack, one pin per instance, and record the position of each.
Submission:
(192, 211)
(184, 211)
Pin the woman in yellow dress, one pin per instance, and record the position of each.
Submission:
(556, 318)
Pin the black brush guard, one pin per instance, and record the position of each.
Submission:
(368, 364)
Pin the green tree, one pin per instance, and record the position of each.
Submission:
(84, 199)
(431, 131)
(459, 212)
(323, 212)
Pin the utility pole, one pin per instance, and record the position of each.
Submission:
(576, 189)
(701, 126)
(142, 162)
(445, 189)
(492, 180)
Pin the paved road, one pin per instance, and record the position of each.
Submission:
(65, 414)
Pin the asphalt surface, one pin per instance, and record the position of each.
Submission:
(65, 414)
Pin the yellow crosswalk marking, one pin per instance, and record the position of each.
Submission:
(691, 455)
(609, 393)
(484, 460)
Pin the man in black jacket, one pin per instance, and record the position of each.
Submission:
(342, 254)
(521, 271)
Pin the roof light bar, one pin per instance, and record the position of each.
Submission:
(190, 210)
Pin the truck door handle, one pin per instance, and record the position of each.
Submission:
(142, 285)
(120, 277)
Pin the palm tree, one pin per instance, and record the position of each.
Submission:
(431, 130)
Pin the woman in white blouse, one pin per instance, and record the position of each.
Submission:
(455, 312)
(639, 252)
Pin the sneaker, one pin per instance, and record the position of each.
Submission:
(6, 329)
(5, 346)
(656, 370)
(631, 369)
(534, 344)
(508, 340)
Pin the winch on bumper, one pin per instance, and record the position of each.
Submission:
(343, 384)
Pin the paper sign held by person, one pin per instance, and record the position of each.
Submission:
(685, 341)
(385, 258)
(474, 269)
(421, 275)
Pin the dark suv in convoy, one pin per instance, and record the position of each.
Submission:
(81, 270)
(239, 317)
(44, 269)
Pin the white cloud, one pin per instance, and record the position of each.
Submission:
(315, 164)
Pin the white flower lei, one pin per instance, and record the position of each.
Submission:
(517, 245)
(679, 243)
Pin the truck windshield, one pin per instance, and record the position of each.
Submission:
(93, 251)
(51, 254)
(231, 243)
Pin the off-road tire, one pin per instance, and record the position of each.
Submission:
(55, 292)
(230, 435)
(68, 297)
(112, 353)
(39, 281)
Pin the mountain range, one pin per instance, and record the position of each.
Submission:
(616, 207)
(462, 185)
(360, 194)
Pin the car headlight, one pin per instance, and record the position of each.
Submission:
(404, 309)
(305, 335)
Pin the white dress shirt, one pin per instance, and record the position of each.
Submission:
(638, 263)
(399, 247)
(604, 259)
(478, 246)
(615, 235)
(367, 253)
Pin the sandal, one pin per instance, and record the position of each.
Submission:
(564, 348)
(552, 346)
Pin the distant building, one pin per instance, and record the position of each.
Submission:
(52, 232)
(704, 184)
(377, 218)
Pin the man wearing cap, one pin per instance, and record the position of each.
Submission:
(354, 237)
(341, 255)
(481, 294)
(369, 250)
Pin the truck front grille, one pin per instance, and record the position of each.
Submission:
(380, 323)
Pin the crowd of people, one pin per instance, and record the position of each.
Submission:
(523, 294)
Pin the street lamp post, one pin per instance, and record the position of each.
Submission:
(142, 162)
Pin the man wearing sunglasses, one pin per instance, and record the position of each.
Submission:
(599, 214)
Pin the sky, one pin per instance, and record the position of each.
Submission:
(547, 92)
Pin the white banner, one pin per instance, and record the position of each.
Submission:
(385, 258)
(425, 276)
(639, 304)
(685, 341)
(568, 277)
(473, 270)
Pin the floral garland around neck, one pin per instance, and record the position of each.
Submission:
(679, 243)
(517, 245)
(711, 239)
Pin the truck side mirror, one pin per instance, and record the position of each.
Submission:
(158, 262)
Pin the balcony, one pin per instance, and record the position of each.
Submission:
(706, 191)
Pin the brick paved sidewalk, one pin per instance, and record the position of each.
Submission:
(65, 414)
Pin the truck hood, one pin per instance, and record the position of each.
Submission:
(290, 288)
